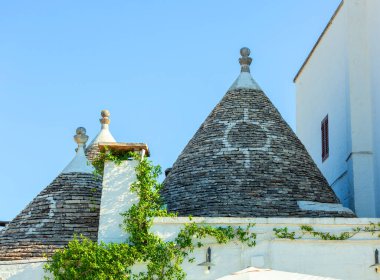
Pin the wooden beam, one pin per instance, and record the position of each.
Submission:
(134, 147)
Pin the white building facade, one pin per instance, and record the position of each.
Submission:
(338, 83)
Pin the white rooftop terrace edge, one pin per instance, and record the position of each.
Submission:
(79, 163)
(318, 206)
(245, 80)
(268, 221)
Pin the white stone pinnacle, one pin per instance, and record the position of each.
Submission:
(79, 163)
(104, 135)
(245, 79)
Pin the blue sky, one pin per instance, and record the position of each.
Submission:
(159, 67)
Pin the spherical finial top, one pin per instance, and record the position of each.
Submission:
(245, 52)
(245, 60)
(105, 113)
(81, 131)
(105, 117)
(81, 137)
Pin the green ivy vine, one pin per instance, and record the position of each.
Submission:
(86, 259)
(284, 233)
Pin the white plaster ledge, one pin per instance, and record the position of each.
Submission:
(266, 221)
(28, 261)
(327, 207)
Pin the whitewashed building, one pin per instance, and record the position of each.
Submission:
(243, 166)
(338, 101)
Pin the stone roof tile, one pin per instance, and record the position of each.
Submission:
(69, 205)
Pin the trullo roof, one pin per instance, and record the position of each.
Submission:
(68, 206)
(245, 161)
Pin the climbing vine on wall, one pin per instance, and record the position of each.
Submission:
(85, 259)
(305, 230)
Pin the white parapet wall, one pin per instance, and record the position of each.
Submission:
(342, 259)
(22, 270)
(116, 198)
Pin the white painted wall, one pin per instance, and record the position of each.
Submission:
(22, 270)
(374, 52)
(347, 260)
(361, 108)
(116, 199)
(322, 90)
(340, 79)
(350, 259)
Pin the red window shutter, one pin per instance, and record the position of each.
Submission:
(325, 138)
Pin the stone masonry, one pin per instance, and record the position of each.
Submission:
(69, 205)
(245, 161)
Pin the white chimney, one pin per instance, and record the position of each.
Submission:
(117, 197)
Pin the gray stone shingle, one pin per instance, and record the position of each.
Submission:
(245, 161)
(69, 205)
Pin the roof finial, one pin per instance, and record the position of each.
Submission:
(81, 137)
(245, 60)
(105, 117)
(103, 136)
(79, 162)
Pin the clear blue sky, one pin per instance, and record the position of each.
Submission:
(159, 67)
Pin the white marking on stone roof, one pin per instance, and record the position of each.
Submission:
(52, 206)
(32, 230)
(234, 124)
(318, 206)
(79, 163)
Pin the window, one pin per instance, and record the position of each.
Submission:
(325, 138)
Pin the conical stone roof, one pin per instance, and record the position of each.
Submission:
(245, 161)
(69, 205)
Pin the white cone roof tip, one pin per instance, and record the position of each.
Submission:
(245, 79)
(104, 135)
(79, 163)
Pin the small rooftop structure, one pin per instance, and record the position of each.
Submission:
(245, 80)
(104, 136)
(79, 163)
